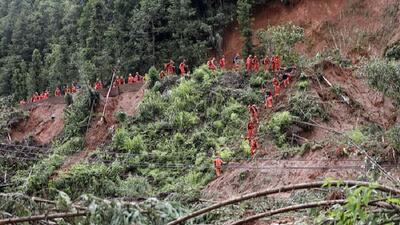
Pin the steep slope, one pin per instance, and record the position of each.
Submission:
(45, 122)
(356, 27)
(326, 158)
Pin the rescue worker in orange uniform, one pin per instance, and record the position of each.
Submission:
(253, 113)
(277, 88)
(218, 165)
(182, 68)
(250, 130)
(211, 64)
(130, 79)
(249, 62)
(169, 67)
(46, 94)
(35, 97)
(22, 102)
(286, 79)
(138, 77)
(57, 92)
(266, 63)
(255, 64)
(222, 62)
(73, 89)
(268, 100)
(162, 74)
(98, 85)
(253, 147)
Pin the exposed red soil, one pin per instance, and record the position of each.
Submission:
(40, 124)
(353, 26)
(99, 132)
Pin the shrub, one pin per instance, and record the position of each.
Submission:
(120, 137)
(226, 154)
(384, 76)
(134, 186)
(134, 145)
(121, 117)
(70, 147)
(394, 137)
(303, 85)
(152, 76)
(151, 107)
(277, 125)
(256, 81)
(306, 107)
(245, 147)
(357, 136)
(184, 120)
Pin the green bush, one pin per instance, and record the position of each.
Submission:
(303, 85)
(70, 147)
(357, 136)
(384, 76)
(151, 107)
(256, 81)
(134, 145)
(134, 186)
(277, 126)
(245, 147)
(121, 135)
(306, 107)
(121, 117)
(153, 76)
(394, 137)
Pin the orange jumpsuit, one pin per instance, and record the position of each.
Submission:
(182, 68)
(254, 113)
(250, 130)
(269, 101)
(249, 62)
(130, 79)
(256, 64)
(73, 89)
(218, 166)
(222, 63)
(211, 65)
(253, 147)
(57, 92)
(162, 74)
(266, 63)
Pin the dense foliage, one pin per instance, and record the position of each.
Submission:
(50, 43)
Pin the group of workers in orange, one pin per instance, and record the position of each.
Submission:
(211, 63)
(252, 66)
(253, 63)
(169, 68)
(36, 97)
(119, 80)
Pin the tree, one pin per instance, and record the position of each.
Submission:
(244, 18)
(34, 81)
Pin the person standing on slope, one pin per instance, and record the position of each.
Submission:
(249, 63)
(218, 165)
(222, 62)
(211, 64)
(253, 147)
(182, 67)
(268, 100)
(253, 113)
(57, 92)
(255, 64)
(277, 88)
(250, 130)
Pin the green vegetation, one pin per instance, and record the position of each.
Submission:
(170, 134)
(277, 126)
(394, 137)
(280, 40)
(383, 75)
(244, 11)
(306, 107)
(393, 51)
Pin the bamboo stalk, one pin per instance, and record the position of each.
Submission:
(42, 217)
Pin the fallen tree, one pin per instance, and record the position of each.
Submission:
(321, 184)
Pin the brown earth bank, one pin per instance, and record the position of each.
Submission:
(44, 123)
(99, 132)
(356, 27)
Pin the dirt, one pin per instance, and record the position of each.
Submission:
(40, 124)
(356, 27)
(99, 132)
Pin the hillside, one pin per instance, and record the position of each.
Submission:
(328, 146)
